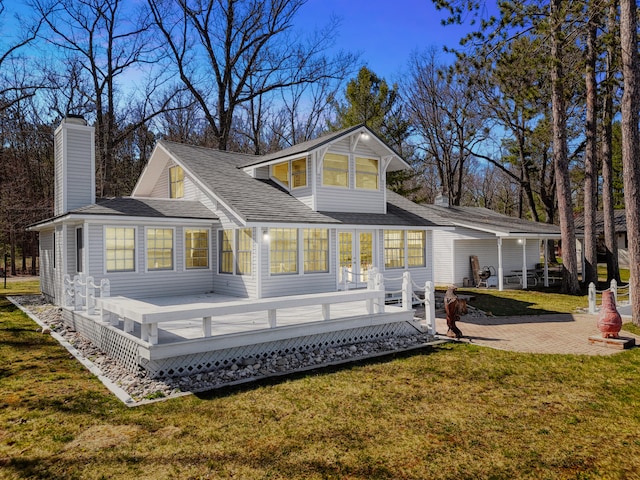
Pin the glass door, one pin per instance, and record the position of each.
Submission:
(356, 256)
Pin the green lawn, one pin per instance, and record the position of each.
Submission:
(453, 411)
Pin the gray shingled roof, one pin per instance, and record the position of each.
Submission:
(302, 147)
(250, 199)
(619, 220)
(148, 207)
(262, 201)
(483, 218)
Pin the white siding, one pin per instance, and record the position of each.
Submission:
(419, 275)
(161, 188)
(295, 284)
(141, 283)
(46, 263)
(59, 173)
(443, 257)
(74, 167)
(232, 284)
(335, 199)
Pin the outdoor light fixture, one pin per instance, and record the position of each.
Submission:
(265, 235)
(364, 135)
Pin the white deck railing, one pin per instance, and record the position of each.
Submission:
(621, 295)
(80, 292)
(149, 316)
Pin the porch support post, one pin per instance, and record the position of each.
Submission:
(584, 260)
(546, 262)
(524, 264)
(500, 268)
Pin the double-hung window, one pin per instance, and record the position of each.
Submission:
(244, 244)
(226, 251)
(416, 248)
(196, 248)
(292, 174)
(366, 173)
(160, 249)
(394, 248)
(120, 249)
(335, 170)
(316, 250)
(283, 250)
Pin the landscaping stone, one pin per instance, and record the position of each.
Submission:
(140, 387)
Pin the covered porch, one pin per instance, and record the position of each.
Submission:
(527, 275)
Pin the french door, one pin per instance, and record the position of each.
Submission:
(355, 253)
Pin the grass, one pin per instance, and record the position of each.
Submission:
(453, 411)
(523, 302)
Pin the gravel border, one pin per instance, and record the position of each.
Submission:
(135, 389)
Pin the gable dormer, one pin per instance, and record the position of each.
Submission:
(343, 171)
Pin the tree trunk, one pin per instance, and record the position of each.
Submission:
(630, 145)
(570, 283)
(611, 246)
(590, 273)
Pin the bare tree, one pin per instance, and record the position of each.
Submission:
(444, 113)
(102, 41)
(230, 52)
(631, 142)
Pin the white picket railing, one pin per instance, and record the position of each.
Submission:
(407, 294)
(81, 291)
(621, 295)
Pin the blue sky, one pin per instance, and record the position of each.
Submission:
(385, 32)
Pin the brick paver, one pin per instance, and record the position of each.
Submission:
(559, 333)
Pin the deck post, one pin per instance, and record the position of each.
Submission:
(326, 311)
(430, 307)
(371, 285)
(153, 334)
(407, 291)
(592, 298)
(272, 317)
(90, 296)
(105, 288)
(206, 326)
(128, 325)
(379, 305)
(77, 293)
(345, 283)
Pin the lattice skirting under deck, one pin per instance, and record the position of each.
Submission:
(122, 349)
(126, 350)
(210, 361)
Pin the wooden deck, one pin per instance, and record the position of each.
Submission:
(191, 342)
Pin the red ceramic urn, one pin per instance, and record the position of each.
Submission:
(609, 320)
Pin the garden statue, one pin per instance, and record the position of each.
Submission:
(452, 309)
(609, 321)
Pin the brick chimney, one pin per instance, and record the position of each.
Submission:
(75, 165)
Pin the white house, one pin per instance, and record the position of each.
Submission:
(307, 221)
